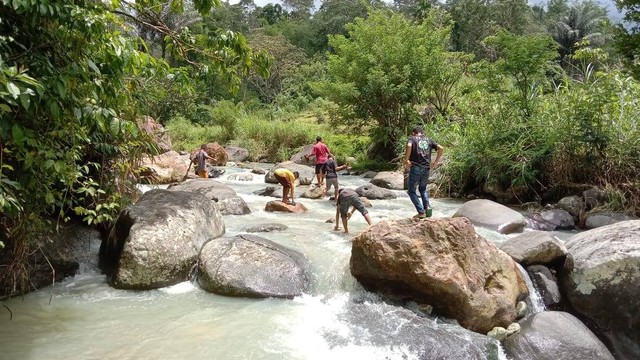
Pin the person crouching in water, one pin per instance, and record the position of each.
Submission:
(287, 179)
(349, 198)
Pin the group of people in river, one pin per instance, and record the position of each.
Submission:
(417, 163)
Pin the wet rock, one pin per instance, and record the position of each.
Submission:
(240, 177)
(552, 335)
(547, 285)
(491, 215)
(535, 247)
(374, 192)
(259, 171)
(251, 266)
(313, 192)
(500, 333)
(601, 279)
(521, 309)
(279, 206)
(273, 191)
(595, 197)
(236, 154)
(574, 205)
(603, 218)
(389, 180)
(224, 197)
(266, 227)
(155, 242)
(369, 174)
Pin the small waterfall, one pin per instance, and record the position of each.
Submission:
(535, 304)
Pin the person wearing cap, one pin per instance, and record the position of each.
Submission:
(321, 152)
(346, 199)
(417, 157)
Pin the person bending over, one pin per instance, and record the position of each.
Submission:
(346, 199)
(287, 179)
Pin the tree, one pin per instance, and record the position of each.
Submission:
(525, 59)
(68, 133)
(380, 71)
(627, 38)
(580, 22)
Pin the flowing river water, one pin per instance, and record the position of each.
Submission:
(84, 318)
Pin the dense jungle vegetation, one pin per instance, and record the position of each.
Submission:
(525, 99)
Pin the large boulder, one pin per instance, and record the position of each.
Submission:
(373, 192)
(313, 192)
(307, 173)
(491, 215)
(389, 180)
(155, 242)
(251, 266)
(224, 197)
(268, 227)
(603, 218)
(535, 247)
(551, 220)
(236, 154)
(217, 152)
(574, 205)
(299, 157)
(443, 263)
(594, 197)
(601, 279)
(552, 335)
(156, 131)
(165, 168)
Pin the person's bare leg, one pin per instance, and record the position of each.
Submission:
(345, 222)
(368, 218)
(285, 195)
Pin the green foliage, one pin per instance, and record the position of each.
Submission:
(526, 60)
(380, 71)
(627, 38)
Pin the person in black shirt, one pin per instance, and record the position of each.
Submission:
(331, 169)
(417, 158)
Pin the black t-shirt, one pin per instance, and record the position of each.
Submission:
(421, 148)
(330, 169)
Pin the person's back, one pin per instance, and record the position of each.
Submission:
(421, 148)
(321, 152)
(330, 169)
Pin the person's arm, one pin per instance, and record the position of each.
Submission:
(436, 162)
(337, 227)
(341, 167)
(407, 153)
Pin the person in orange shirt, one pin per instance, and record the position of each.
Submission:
(287, 179)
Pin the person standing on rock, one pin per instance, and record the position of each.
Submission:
(321, 152)
(287, 179)
(346, 199)
(201, 160)
(331, 169)
(417, 158)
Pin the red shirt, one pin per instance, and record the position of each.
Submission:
(321, 152)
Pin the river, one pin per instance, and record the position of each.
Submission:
(83, 318)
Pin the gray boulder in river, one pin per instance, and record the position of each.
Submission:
(251, 266)
(535, 247)
(155, 242)
(373, 192)
(223, 196)
(491, 215)
(601, 278)
(553, 335)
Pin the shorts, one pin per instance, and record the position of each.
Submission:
(320, 168)
(346, 203)
(332, 182)
(283, 180)
(203, 174)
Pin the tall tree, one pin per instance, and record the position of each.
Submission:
(381, 70)
(627, 38)
(580, 22)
